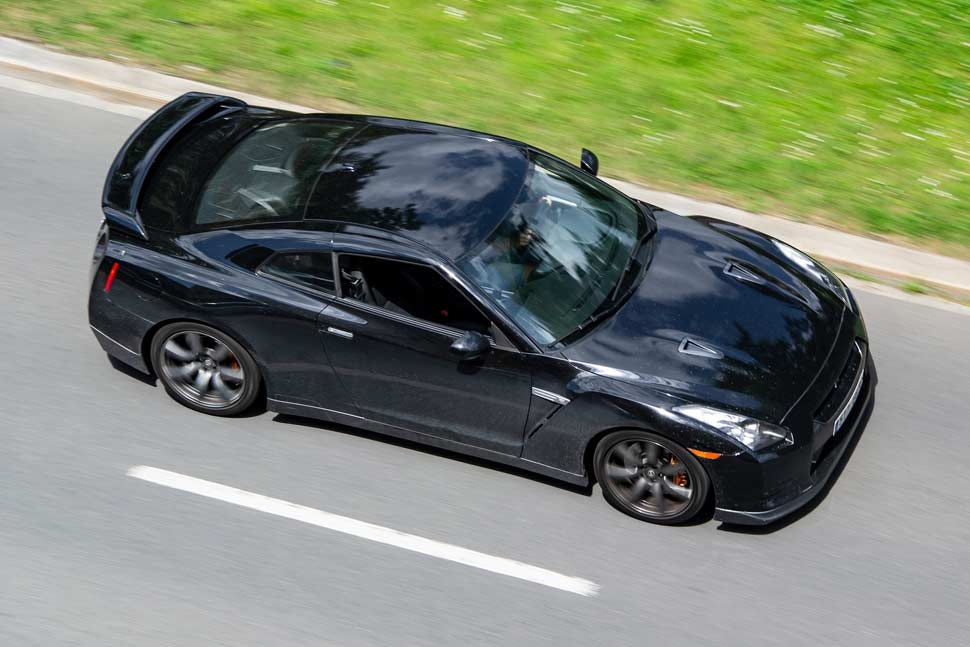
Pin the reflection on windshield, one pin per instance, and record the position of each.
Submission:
(559, 253)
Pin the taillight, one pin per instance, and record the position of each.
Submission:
(111, 276)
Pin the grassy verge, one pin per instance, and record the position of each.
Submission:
(852, 112)
(960, 297)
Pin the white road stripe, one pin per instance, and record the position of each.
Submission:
(364, 530)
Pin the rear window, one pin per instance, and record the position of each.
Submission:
(268, 175)
(177, 177)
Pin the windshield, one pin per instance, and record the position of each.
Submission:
(557, 256)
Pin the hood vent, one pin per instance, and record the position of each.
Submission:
(693, 347)
(742, 273)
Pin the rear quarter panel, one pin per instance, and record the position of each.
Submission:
(274, 322)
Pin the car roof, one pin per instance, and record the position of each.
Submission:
(445, 187)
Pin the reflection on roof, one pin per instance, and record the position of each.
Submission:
(447, 190)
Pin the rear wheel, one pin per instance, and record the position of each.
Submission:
(205, 369)
(649, 477)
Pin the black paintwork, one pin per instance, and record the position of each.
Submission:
(784, 338)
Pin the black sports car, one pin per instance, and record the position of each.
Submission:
(477, 294)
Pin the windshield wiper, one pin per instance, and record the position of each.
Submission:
(643, 234)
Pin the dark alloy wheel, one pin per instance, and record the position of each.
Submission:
(649, 477)
(204, 369)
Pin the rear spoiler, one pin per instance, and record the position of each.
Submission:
(133, 162)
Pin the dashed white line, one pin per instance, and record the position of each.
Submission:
(364, 530)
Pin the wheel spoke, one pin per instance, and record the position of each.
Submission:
(672, 469)
(179, 353)
(220, 352)
(653, 453)
(202, 381)
(618, 473)
(194, 342)
(224, 391)
(231, 373)
(628, 454)
(639, 488)
(676, 491)
(186, 370)
(657, 497)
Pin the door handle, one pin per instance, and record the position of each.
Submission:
(337, 332)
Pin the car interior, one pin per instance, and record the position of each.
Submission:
(268, 176)
(313, 269)
(409, 289)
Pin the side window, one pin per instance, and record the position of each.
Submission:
(406, 288)
(269, 174)
(312, 269)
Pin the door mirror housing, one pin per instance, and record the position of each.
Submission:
(589, 162)
(470, 345)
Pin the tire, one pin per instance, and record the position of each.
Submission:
(205, 369)
(650, 477)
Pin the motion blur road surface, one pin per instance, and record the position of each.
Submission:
(90, 556)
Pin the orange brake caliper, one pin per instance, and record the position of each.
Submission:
(680, 478)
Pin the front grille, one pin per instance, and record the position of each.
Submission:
(842, 390)
(835, 417)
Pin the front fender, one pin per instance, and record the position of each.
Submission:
(599, 405)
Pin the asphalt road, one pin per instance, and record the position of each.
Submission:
(90, 556)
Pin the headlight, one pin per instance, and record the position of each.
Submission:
(819, 272)
(755, 434)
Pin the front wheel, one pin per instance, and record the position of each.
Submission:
(649, 477)
(205, 369)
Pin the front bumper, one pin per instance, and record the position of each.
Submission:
(813, 487)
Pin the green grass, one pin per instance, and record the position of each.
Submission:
(914, 287)
(856, 274)
(853, 112)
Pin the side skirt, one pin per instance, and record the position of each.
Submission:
(352, 420)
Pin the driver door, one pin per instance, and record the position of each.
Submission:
(389, 340)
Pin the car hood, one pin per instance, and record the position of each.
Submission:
(759, 324)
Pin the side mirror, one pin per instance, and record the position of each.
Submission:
(589, 162)
(470, 345)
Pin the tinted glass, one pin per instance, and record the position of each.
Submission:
(405, 288)
(177, 177)
(558, 255)
(269, 175)
(446, 190)
(314, 270)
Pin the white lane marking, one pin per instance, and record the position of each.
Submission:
(364, 530)
(70, 96)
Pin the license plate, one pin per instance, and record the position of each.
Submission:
(850, 404)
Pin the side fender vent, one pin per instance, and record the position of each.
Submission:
(742, 273)
(693, 347)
